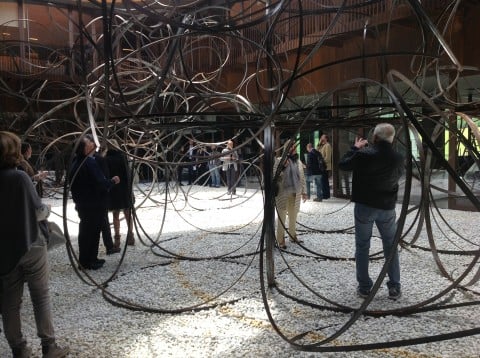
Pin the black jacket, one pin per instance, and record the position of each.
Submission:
(120, 196)
(89, 185)
(376, 171)
(314, 157)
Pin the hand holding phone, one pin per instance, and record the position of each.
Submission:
(360, 142)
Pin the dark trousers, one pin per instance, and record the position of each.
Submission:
(91, 221)
(179, 174)
(325, 186)
(231, 176)
(192, 174)
(106, 232)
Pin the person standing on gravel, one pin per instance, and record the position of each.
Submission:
(376, 171)
(89, 189)
(120, 198)
(106, 232)
(23, 254)
(315, 170)
(230, 167)
(291, 190)
(325, 148)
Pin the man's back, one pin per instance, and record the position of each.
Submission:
(376, 171)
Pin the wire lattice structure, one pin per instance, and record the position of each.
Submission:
(154, 74)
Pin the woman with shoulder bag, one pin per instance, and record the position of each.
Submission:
(23, 254)
(291, 190)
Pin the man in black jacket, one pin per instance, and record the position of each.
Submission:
(376, 171)
(89, 188)
(315, 171)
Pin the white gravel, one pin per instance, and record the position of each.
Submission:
(210, 225)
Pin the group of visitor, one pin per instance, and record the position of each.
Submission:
(204, 165)
(101, 184)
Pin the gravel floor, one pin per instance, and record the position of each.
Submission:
(210, 305)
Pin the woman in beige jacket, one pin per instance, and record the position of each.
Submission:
(291, 188)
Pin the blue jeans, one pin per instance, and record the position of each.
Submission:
(317, 179)
(365, 216)
(214, 175)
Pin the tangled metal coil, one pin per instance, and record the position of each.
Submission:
(151, 75)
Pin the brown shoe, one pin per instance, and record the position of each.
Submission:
(113, 250)
(22, 352)
(54, 351)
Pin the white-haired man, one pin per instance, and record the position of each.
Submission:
(376, 171)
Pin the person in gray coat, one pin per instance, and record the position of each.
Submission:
(23, 254)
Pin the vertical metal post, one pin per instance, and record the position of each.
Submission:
(107, 49)
(71, 53)
(452, 158)
(337, 189)
(21, 33)
(269, 209)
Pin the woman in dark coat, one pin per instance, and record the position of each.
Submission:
(120, 197)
